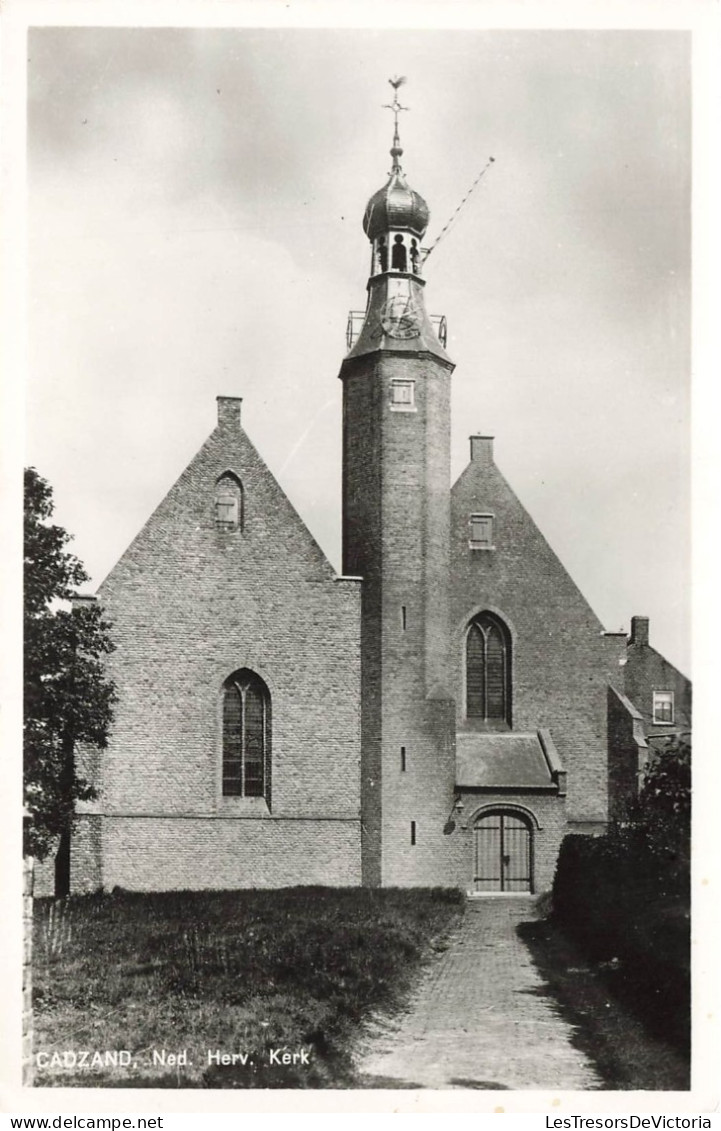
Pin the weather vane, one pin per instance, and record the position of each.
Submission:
(395, 106)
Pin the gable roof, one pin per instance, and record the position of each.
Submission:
(481, 487)
(181, 533)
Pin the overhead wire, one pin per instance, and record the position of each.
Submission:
(445, 228)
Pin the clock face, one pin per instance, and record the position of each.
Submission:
(400, 318)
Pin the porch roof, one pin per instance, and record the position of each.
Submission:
(508, 761)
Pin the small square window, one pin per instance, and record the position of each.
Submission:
(403, 398)
(663, 707)
(481, 537)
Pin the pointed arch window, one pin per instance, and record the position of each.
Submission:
(246, 736)
(229, 502)
(488, 671)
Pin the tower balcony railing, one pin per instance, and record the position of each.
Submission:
(357, 317)
(439, 324)
(354, 327)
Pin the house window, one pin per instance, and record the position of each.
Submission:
(488, 671)
(663, 706)
(481, 537)
(403, 397)
(246, 736)
(229, 502)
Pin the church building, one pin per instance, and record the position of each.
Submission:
(442, 712)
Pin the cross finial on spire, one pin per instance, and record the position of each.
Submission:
(395, 106)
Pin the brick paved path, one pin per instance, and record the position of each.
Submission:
(479, 1017)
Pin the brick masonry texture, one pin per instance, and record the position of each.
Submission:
(544, 814)
(357, 671)
(396, 534)
(189, 605)
(646, 671)
(561, 658)
(44, 878)
(145, 854)
(366, 672)
(628, 752)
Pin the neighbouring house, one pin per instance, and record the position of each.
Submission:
(657, 689)
(653, 709)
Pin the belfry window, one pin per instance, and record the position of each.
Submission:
(229, 503)
(382, 255)
(399, 259)
(488, 671)
(246, 736)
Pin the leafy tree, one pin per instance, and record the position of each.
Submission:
(68, 699)
(663, 809)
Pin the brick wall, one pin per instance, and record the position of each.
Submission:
(86, 861)
(362, 509)
(44, 877)
(646, 671)
(189, 605)
(147, 854)
(396, 534)
(28, 1068)
(627, 753)
(561, 660)
(545, 815)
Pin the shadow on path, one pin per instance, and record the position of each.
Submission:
(598, 1001)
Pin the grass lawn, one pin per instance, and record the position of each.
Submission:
(263, 975)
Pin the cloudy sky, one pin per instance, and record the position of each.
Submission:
(195, 203)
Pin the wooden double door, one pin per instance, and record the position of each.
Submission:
(502, 853)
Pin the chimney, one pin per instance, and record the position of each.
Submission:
(482, 450)
(639, 630)
(82, 601)
(229, 412)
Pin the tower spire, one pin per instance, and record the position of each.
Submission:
(395, 106)
(395, 221)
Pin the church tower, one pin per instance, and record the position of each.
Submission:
(396, 536)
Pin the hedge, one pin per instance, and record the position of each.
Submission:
(627, 906)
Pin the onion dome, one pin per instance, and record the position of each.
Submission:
(396, 206)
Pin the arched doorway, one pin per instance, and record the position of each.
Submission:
(502, 852)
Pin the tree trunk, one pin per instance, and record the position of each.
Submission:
(62, 866)
(62, 859)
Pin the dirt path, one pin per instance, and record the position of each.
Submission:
(480, 1018)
